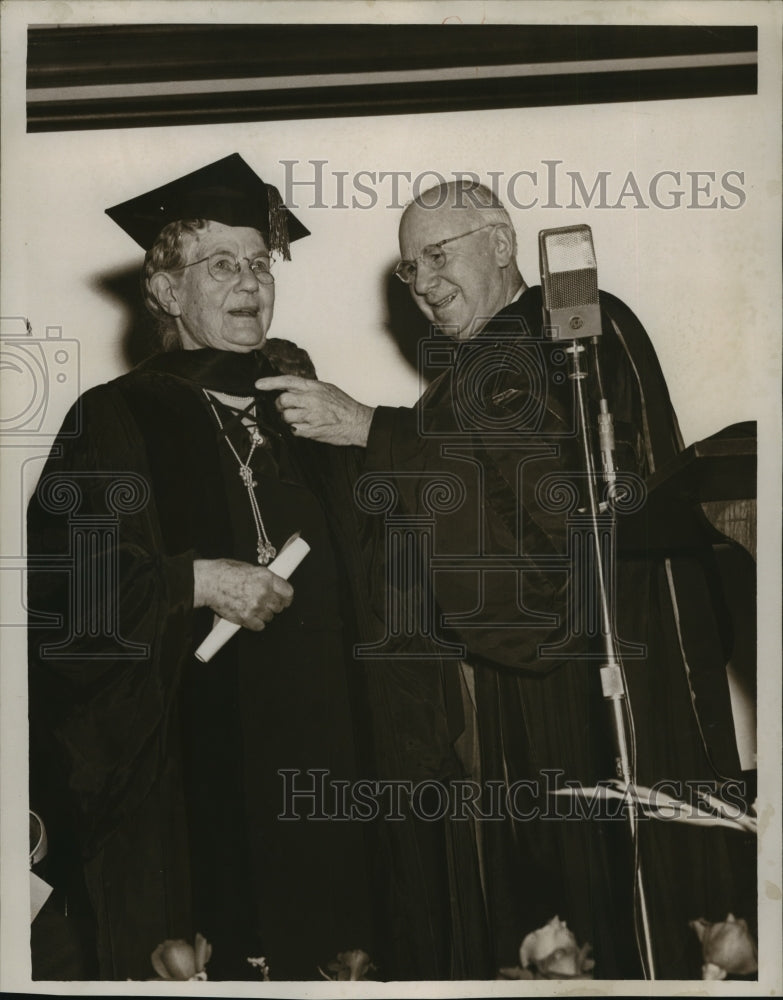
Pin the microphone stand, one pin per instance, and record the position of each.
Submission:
(613, 680)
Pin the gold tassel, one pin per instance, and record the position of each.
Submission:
(278, 223)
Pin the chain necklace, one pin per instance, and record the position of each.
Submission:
(266, 551)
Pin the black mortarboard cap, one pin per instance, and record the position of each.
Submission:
(226, 191)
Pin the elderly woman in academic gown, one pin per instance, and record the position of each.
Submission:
(168, 493)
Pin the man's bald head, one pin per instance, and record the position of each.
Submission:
(479, 274)
(474, 202)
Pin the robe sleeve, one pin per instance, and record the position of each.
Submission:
(505, 593)
(110, 620)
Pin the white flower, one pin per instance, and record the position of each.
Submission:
(727, 947)
(541, 943)
(180, 960)
(553, 953)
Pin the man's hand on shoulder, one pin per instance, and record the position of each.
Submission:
(319, 410)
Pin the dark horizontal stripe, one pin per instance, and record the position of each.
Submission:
(329, 102)
(73, 56)
(391, 78)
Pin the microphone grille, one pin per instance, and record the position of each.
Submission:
(572, 288)
(568, 267)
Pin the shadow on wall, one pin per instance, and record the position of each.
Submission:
(138, 338)
(405, 324)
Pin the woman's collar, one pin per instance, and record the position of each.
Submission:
(232, 372)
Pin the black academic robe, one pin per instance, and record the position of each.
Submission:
(163, 775)
(497, 428)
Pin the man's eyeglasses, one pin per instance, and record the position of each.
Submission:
(432, 255)
(225, 266)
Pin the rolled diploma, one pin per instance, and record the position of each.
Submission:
(283, 566)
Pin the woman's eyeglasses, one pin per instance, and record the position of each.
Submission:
(225, 266)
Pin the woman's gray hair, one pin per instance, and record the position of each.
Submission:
(166, 254)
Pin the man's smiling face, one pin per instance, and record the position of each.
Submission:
(469, 289)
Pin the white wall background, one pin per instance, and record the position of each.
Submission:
(699, 278)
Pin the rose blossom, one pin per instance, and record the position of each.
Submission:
(727, 948)
(553, 952)
(180, 960)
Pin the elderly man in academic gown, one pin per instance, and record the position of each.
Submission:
(499, 421)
